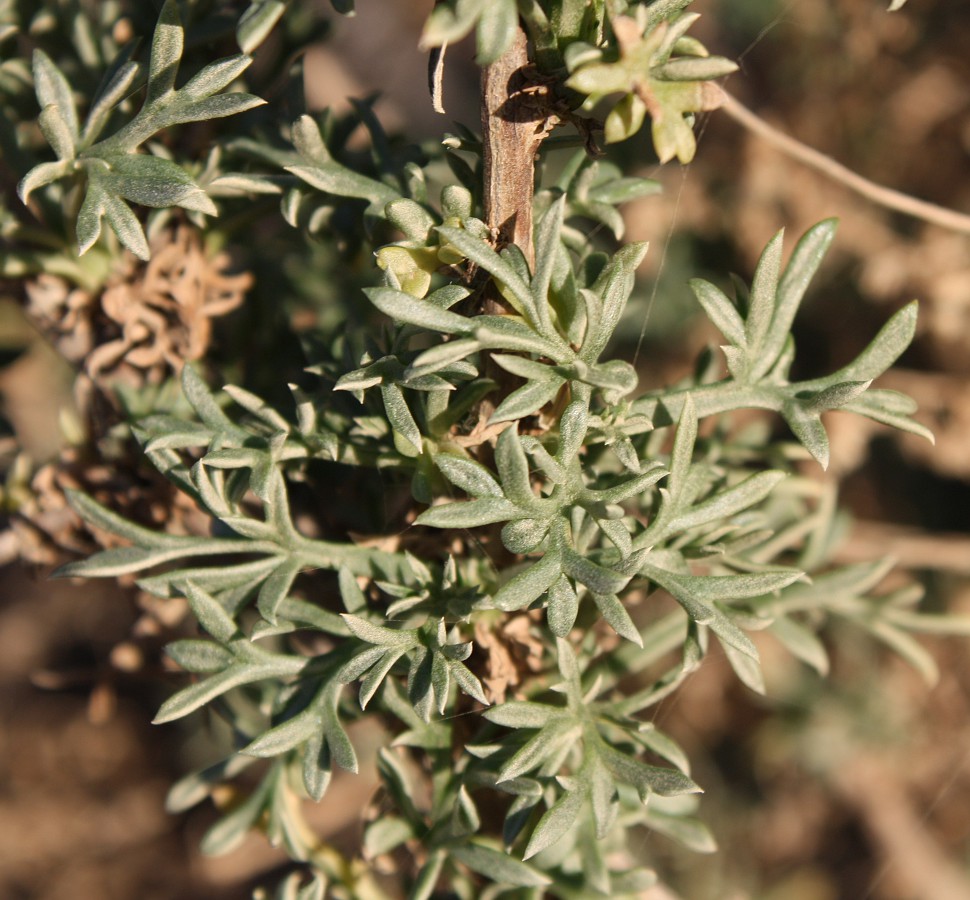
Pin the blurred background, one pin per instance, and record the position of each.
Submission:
(854, 788)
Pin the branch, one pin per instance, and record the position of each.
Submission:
(887, 197)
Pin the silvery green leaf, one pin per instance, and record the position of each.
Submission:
(646, 779)
(805, 260)
(275, 588)
(720, 310)
(808, 428)
(616, 378)
(530, 584)
(685, 589)
(118, 84)
(801, 642)
(496, 30)
(522, 714)
(683, 451)
(729, 502)
(614, 287)
(597, 578)
(336, 179)
(497, 865)
(399, 415)
(359, 664)
(54, 90)
(602, 795)
(480, 253)
(167, 45)
(211, 613)
(747, 669)
(694, 68)
(887, 407)
(556, 821)
(286, 735)
(214, 77)
(526, 400)
(617, 617)
(484, 511)
(421, 683)
(317, 766)
(153, 181)
(378, 634)
(894, 337)
(42, 175)
(309, 615)
(199, 657)
(122, 220)
(119, 561)
(572, 431)
(57, 133)
(833, 397)
(761, 301)
(524, 535)
(404, 308)
(385, 834)
(905, 645)
(218, 107)
(195, 787)
(546, 742)
(513, 468)
(622, 190)
(341, 748)
(506, 333)
(472, 477)
(562, 608)
(547, 248)
(633, 486)
(189, 699)
(685, 830)
(229, 832)
(468, 682)
(257, 22)
(896, 5)
(427, 877)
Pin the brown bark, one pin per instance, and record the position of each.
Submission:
(514, 124)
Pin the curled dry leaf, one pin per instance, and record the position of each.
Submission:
(513, 652)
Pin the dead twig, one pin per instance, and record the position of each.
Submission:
(876, 193)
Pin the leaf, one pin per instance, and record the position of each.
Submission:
(556, 821)
(548, 741)
(522, 714)
(720, 310)
(526, 400)
(497, 28)
(485, 511)
(257, 22)
(805, 260)
(617, 617)
(211, 614)
(276, 587)
(378, 634)
(167, 45)
(497, 866)
(646, 779)
(54, 90)
(153, 181)
(527, 586)
(472, 477)
(480, 253)
(801, 643)
(404, 309)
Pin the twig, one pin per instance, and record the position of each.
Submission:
(910, 548)
(887, 197)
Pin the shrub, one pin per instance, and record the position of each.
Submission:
(467, 525)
